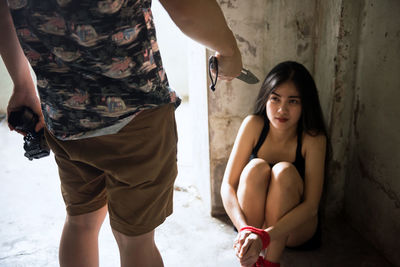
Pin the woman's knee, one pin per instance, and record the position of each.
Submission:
(257, 172)
(286, 176)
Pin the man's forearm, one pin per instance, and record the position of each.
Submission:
(204, 22)
(11, 51)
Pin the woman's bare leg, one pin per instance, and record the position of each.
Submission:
(285, 191)
(252, 191)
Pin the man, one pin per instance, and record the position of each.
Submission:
(108, 110)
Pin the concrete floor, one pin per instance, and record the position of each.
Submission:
(32, 215)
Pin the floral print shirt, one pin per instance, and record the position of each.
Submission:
(97, 62)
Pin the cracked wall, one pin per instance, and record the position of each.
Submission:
(335, 64)
(372, 198)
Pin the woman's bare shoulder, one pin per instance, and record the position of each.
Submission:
(254, 120)
(317, 141)
(253, 123)
(248, 134)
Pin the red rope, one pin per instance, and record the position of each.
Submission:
(261, 262)
(265, 238)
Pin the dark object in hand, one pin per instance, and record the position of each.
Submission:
(35, 145)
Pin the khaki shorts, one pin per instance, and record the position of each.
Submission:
(133, 171)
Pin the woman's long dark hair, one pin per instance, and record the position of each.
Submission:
(311, 120)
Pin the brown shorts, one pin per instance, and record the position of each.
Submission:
(133, 171)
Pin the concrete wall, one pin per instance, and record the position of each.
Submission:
(372, 197)
(337, 35)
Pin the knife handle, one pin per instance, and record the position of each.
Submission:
(213, 65)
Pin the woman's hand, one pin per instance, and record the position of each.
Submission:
(247, 247)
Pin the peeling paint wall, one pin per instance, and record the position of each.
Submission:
(372, 199)
(335, 65)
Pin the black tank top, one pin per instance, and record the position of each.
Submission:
(299, 162)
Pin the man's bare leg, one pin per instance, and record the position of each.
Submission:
(79, 240)
(138, 250)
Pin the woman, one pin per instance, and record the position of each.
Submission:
(274, 177)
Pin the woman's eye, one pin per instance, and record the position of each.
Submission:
(274, 98)
(294, 101)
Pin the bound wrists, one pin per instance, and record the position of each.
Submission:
(264, 235)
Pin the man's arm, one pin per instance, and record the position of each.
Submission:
(24, 93)
(10, 49)
(204, 22)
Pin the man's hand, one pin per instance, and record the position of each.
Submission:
(229, 67)
(247, 247)
(25, 97)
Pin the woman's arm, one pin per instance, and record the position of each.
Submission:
(239, 157)
(315, 149)
(24, 93)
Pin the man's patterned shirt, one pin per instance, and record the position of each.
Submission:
(97, 62)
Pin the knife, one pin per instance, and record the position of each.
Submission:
(245, 75)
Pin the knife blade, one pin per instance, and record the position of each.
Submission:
(248, 77)
(245, 75)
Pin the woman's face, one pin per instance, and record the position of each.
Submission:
(284, 106)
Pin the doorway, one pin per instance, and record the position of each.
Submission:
(185, 63)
